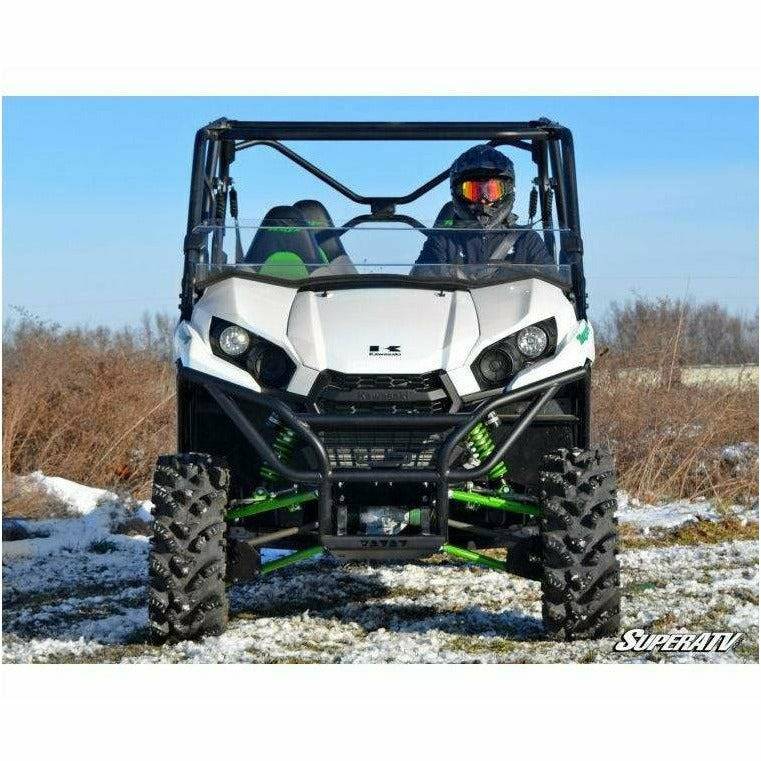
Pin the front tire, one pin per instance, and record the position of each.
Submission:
(187, 597)
(581, 588)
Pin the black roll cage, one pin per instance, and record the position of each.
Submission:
(217, 144)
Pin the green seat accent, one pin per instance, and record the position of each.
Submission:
(285, 265)
(317, 223)
(295, 230)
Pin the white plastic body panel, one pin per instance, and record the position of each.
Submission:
(414, 330)
(507, 308)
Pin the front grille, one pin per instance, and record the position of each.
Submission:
(397, 448)
(396, 408)
(341, 394)
(423, 382)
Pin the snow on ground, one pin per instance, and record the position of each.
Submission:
(75, 591)
(99, 509)
(669, 515)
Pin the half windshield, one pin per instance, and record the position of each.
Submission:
(278, 250)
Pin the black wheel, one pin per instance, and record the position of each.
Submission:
(581, 592)
(187, 597)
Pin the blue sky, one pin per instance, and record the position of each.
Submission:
(95, 191)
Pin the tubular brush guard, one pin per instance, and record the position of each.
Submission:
(324, 477)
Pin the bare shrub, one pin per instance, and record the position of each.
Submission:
(668, 438)
(678, 331)
(91, 405)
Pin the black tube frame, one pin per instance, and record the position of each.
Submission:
(217, 143)
(441, 476)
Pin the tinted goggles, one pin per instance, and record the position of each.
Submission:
(484, 191)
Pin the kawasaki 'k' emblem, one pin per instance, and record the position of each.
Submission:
(385, 351)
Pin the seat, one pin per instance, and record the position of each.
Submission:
(317, 215)
(284, 246)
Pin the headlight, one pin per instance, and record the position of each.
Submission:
(532, 341)
(234, 340)
(271, 366)
(495, 366)
(498, 363)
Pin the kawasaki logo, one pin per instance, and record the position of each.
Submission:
(385, 351)
(385, 395)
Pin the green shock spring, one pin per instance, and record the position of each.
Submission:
(481, 444)
(282, 444)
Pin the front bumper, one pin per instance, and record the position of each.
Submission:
(440, 475)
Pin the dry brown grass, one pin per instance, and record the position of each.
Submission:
(695, 532)
(31, 501)
(668, 438)
(91, 406)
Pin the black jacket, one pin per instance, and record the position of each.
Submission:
(472, 246)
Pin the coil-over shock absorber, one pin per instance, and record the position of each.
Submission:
(283, 444)
(481, 444)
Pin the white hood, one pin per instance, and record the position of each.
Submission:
(383, 330)
(374, 330)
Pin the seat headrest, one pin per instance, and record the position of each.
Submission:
(317, 215)
(284, 229)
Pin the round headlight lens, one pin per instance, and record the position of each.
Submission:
(495, 366)
(234, 341)
(532, 341)
(271, 366)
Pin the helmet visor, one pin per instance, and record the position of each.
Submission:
(484, 191)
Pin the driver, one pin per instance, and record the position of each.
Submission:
(482, 182)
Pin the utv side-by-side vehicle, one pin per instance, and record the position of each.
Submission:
(333, 397)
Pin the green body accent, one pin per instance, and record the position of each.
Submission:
(282, 444)
(447, 223)
(482, 442)
(473, 557)
(583, 336)
(285, 265)
(259, 506)
(494, 501)
(294, 557)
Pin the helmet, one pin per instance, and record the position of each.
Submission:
(483, 162)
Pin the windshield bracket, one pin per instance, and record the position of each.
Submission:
(382, 208)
